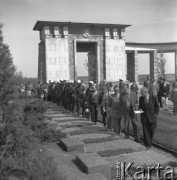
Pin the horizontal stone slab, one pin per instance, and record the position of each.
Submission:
(54, 112)
(59, 115)
(148, 157)
(96, 137)
(91, 163)
(90, 136)
(117, 147)
(74, 123)
(69, 144)
(66, 118)
(70, 130)
(145, 159)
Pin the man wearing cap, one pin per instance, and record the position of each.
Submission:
(91, 84)
(109, 91)
(93, 103)
(115, 109)
(79, 92)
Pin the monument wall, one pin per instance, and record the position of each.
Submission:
(58, 49)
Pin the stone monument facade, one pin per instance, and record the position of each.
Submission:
(60, 41)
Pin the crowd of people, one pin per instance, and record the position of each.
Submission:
(116, 101)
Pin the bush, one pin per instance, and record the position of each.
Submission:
(50, 134)
(21, 132)
(39, 165)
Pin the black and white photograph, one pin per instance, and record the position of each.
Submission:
(88, 89)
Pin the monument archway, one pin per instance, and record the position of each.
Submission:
(59, 42)
(92, 65)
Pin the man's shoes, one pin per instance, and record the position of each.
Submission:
(148, 147)
(137, 140)
(126, 137)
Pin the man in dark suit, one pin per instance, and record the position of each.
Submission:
(150, 107)
(164, 91)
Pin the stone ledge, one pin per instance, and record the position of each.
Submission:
(72, 144)
(91, 163)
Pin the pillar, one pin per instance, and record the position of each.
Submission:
(41, 63)
(153, 64)
(132, 66)
(176, 64)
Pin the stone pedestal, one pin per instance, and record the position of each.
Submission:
(92, 163)
(72, 144)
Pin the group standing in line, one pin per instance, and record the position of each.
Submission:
(116, 102)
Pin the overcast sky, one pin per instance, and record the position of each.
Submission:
(151, 20)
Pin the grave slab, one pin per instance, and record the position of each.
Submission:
(72, 144)
(67, 118)
(70, 130)
(90, 136)
(59, 115)
(148, 157)
(145, 159)
(116, 146)
(91, 163)
(96, 137)
(74, 123)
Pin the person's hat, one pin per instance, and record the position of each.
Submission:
(79, 81)
(91, 82)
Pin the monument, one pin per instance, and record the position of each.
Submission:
(60, 42)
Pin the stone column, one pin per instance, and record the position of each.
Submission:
(176, 64)
(41, 63)
(132, 66)
(153, 64)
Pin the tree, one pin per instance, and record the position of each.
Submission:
(7, 70)
(161, 62)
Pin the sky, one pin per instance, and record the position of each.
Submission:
(151, 20)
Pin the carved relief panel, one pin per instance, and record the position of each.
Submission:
(57, 59)
(115, 59)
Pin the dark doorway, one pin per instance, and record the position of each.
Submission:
(86, 63)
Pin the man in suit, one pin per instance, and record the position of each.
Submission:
(147, 82)
(164, 91)
(150, 107)
(115, 109)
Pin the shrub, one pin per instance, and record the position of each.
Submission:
(50, 134)
(39, 165)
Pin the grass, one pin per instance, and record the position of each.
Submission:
(166, 132)
(115, 152)
(99, 140)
